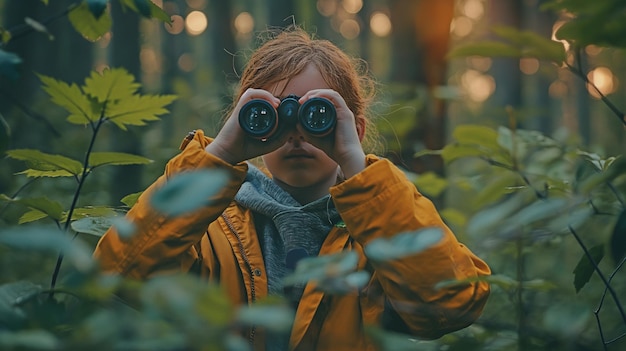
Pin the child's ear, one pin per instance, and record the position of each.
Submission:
(360, 127)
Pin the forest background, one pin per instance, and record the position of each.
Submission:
(502, 111)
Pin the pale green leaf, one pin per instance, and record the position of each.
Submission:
(11, 296)
(35, 339)
(97, 226)
(130, 199)
(495, 189)
(49, 239)
(403, 244)
(40, 161)
(138, 109)
(456, 151)
(31, 216)
(43, 204)
(189, 191)
(91, 211)
(319, 268)
(343, 284)
(115, 159)
(9, 63)
(431, 184)
(533, 44)
(87, 24)
(71, 98)
(39, 27)
(454, 217)
(110, 85)
(484, 137)
(276, 318)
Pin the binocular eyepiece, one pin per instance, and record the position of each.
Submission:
(260, 120)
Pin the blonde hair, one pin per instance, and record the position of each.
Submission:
(286, 53)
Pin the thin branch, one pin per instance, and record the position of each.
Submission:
(30, 113)
(579, 72)
(607, 284)
(24, 29)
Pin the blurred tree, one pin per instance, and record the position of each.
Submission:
(421, 33)
(124, 52)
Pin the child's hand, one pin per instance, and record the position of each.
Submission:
(233, 145)
(344, 144)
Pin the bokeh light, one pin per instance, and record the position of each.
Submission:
(244, 23)
(196, 23)
(480, 63)
(593, 50)
(380, 24)
(558, 89)
(177, 26)
(461, 26)
(352, 6)
(529, 65)
(603, 79)
(149, 60)
(473, 9)
(349, 29)
(478, 86)
(327, 8)
(186, 63)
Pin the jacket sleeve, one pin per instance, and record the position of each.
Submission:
(381, 202)
(161, 243)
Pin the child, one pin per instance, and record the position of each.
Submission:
(317, 184)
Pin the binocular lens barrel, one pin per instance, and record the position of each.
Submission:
(260, 120)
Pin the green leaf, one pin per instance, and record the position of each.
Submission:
(110, 85)
(9, 63)
(130, 199)
(49, 239)
(496, 189)
(430, 183)
(585, 268)
(403, 244)
(532, 44)
(48, 164)
(92, 225)
(38, 27)
(143, 7)
(320, 268)
(11, 296)
(92, 211)
(71, 98)
(485, 137)
(456, 151)
(31, 216)
(97, 159)
(29, 340)
(42, 204)
(615, 169)
(148, 9)
(189, 191)
(618, 239)
(87, 24)
(5, 36)
(97, 7)
(158, 13)
(138, 109)
(275, 318)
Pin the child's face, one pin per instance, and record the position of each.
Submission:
(297, 163)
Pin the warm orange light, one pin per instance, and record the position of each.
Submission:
(196, 4)
(352, 6)
(186, 63)
(477, 86)
(603, 79)
(177, 26)
(461, 26)
(380, 24)
(196, 23)
(349, 29)
(473, 9)
(558, 89)
(529, 65)
(327, 8)
(244, 23)
(593, 50)
(149, 60)
(480, 63)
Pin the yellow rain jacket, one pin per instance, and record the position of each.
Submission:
(378, 202)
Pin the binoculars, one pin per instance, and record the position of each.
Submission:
(260, 120)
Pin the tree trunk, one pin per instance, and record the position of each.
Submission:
(124, 52)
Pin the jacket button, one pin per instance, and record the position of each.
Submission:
(257, 272)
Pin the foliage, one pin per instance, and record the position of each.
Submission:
(90, 18)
